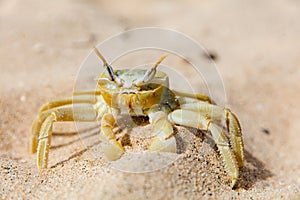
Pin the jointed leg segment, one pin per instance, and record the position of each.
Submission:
(196, 120)
(217, 114)
(44, 141)
(225, 151)
(188, 97)
(69, 100)
(236, 138)
(57, 111)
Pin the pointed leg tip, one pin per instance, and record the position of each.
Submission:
(233, 182)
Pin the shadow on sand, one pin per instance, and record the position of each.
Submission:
(253, 171)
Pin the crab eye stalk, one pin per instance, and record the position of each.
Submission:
(111, 72)
(150, 73)
(109, 69)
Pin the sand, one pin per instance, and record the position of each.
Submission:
(256, 49)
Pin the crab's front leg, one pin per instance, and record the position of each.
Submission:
(42, 126)
(111, 148)
(164, 139)
(196, 120)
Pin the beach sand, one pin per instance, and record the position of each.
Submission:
(256, 50)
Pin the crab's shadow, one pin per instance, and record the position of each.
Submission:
(253, 171)
(84, 134)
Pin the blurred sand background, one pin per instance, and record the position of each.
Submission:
(256, 44)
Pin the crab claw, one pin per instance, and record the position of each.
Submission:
(161, 143)
(112, 150)
(164, 139)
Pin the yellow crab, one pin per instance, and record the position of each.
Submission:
(141, 93)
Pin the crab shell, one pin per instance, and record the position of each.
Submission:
(133, 99)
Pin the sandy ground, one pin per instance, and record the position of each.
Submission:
(257, 45)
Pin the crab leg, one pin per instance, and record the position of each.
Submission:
(111, 148)
(164, 139)
(184, 97)
(42, 126)
(87, 92)
(69, 100)
(48, 107)
(196, 120)
(217, 113)
(37, 123)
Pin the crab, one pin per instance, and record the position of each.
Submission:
(140, 92)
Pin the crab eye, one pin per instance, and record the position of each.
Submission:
(112, 76)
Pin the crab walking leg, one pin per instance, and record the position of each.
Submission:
(183, 96)
(235, 136)
(37, 123)
(69, 100)
(87, 92)
(111, 148)
(39, 120)
(225, 151)
(79, 112)
(164, 139)
(217, 113)
(35, 131)
(100, 106)
(196, 120)
(44, 141)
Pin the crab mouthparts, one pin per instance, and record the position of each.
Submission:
(129, 91)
